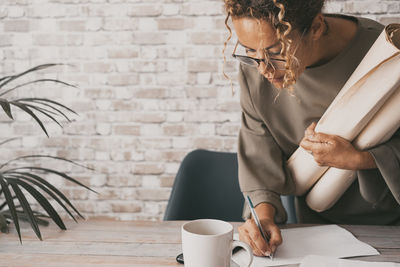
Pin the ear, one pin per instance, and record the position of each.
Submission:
(318, 27)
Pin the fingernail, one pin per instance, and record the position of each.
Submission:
(267, 254)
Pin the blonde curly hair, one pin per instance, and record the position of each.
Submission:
(284, 16)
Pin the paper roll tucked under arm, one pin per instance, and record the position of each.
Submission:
(372, 87)
(334, 182)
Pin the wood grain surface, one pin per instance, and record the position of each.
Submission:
(104, 242)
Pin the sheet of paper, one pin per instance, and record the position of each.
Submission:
(326, 240)
(322, 261)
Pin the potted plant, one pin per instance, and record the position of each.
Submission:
(15, 206)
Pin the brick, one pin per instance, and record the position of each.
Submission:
(171, 9)
(149, 38)
(208, 143)
(365, 7)
(203, 8)
(126, 207)
(16, 25)
(207, 38)
(202, 65)
(126, 129)
(153, 194)
(126, 52)
(99, 93)
(150, 181)
(151, 93)
(389, 20)
(14, 12)
(147, 24)
(123, 180)
(202, 92)
(47, 39)
(167, 181)
(120, 155)
(120, 24)
(172, 24)
(97, 67)
(145, 10)
(122, 79)
(72, 25)
(148, 168)
(228, 130)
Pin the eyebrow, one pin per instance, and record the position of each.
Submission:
(266, 48)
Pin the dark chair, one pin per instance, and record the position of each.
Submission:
(206, 186)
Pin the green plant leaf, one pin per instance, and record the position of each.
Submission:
(5, 77)
(22, 217)
(10, 203)
(55, 172)
(36, 81)
(39, 67)
(41, 200)
(6, 107)
(46, 156)
(49, 101)
(52, 187)
(46, 105)
(44, 188)
(44, 112)
(27, 110)
(3, 224)
(9, 140)
(5, 203)
(27, 209)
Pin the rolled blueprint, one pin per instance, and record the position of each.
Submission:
(332, 185)
(362, 108)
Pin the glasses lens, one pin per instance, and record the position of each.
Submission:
(247, 60)
(277, 64)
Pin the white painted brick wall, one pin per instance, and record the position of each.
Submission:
(150, 90)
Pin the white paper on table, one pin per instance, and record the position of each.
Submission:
(321, 261)
(326, 240)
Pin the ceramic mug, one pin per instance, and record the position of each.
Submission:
(210, 243)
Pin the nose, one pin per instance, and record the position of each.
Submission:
(266, 70)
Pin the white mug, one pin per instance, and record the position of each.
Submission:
(209, 243)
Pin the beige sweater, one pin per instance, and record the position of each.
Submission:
(272, 129)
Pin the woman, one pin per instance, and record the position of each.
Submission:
(294, 61)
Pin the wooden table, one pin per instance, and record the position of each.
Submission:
(102, 242)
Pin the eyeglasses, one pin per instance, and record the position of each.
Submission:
(270, 62)
(274, 63)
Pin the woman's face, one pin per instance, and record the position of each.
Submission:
(257, 35)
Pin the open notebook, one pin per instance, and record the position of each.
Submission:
(326, 240)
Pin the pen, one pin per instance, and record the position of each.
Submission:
(253, 212)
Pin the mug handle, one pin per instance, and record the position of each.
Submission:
(236, 243)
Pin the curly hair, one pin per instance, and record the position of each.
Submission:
(284, 16)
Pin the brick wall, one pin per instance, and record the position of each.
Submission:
(150, 90)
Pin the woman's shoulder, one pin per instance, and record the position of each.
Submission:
(363, 22)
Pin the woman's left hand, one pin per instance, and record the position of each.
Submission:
(335, 151)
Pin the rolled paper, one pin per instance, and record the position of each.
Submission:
(334, 182)
(369, 88)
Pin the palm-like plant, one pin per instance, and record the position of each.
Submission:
(30, 178)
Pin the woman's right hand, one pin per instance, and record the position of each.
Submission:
(250, 234)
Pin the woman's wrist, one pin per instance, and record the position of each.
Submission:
(365, 161)
(265, 211)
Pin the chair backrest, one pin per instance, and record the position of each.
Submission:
(206, 186)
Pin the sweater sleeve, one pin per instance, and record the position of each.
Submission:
(381, 186)
(262, 168)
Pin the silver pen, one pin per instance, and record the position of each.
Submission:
(253, 212)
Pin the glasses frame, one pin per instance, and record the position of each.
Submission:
(257, 61)
(267, 61)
